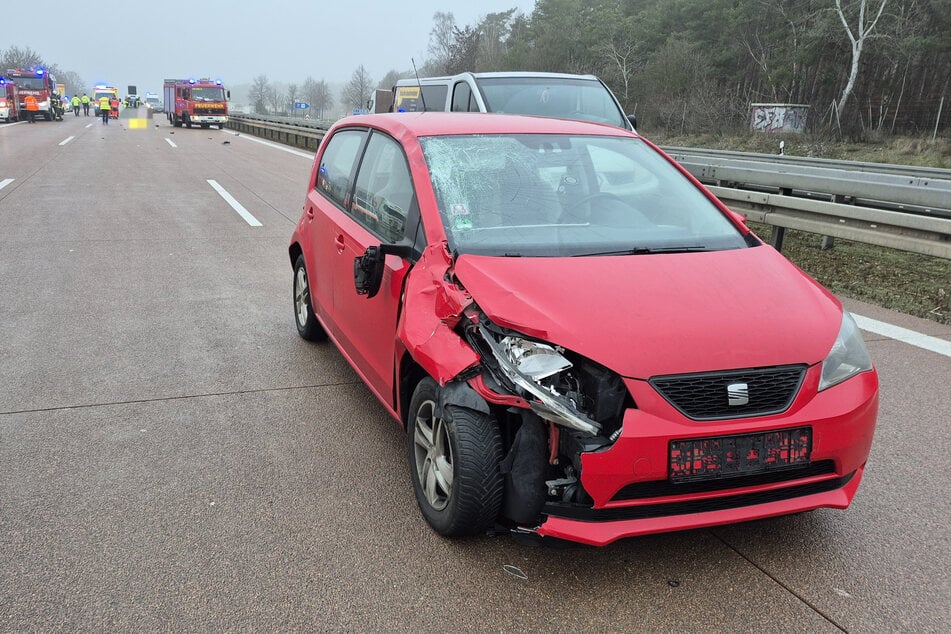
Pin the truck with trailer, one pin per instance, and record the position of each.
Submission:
(40, 84)
(196, 101)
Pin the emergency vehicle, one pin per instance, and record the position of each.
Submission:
(9, 98)
(201, 101)
(40, 84)
(104, 91)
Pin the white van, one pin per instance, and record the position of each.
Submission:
(556, 95)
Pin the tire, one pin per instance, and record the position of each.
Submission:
(454, 464)
(307, 325)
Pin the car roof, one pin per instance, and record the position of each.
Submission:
(449, 123)
(412, 81)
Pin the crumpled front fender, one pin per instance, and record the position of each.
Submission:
(432, 306)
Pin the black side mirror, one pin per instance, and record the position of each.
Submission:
(368, 268)
(633, 119)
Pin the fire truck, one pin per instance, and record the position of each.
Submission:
(201, 101)
(9, 98)
(100, 91)
(40, 84)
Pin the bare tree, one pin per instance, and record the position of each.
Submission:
(74, 83)
(441, 40)
(495, 29)
(857, 41)
(324, 101)
(389, 80)
(357, 91)
(293, 96)
(16, 57)
(259, 94)
(622, 52)
(277, 100)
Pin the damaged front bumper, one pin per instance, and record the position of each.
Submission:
(633, 495)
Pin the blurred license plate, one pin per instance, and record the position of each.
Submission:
(731, 456)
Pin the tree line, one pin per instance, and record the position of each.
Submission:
(693, 66)
(26, 57)
(687, 66)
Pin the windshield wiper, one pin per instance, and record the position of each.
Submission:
(647, 250)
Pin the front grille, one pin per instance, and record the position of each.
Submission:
(204, 110)
(708, 395)
(662, 488)
(588, 514)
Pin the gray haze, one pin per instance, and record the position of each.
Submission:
(141, 43)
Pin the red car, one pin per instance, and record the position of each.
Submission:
(580, 341)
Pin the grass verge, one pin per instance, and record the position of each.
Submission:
(910, 283)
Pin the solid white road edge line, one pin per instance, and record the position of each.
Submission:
(244, 213)
(927, 342)
(5, 182)
(170, 142)
(67, 140)
(276, 146)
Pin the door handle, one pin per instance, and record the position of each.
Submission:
(339, 243)
(310, 213)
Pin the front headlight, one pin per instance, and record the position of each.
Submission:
(848, 356)
(527, 363)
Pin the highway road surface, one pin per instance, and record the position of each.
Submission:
(174, 457)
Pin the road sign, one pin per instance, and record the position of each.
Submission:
(301, 105)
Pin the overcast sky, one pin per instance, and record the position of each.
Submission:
(143, 42)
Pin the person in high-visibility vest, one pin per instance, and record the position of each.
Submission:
(114, 105)
(31, 107)
(85, 101)
(104, 109)
(75, 103)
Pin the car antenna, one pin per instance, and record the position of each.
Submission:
(419, 83)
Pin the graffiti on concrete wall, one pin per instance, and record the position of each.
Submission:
(772, 117)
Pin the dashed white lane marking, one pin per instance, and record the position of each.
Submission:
(88, 125)
(244, 213)
(5, 182)
(170, 142)
(67, 140)
(927, 342)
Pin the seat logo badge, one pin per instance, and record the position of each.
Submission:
(738, 393)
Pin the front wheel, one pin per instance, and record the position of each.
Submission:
(307, 325)
(454, 458)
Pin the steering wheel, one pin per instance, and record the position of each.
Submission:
(595, 196)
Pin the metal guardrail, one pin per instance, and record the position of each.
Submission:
(907, 208)
(896, 206)
(896, 189)
(280, 129)
(914, 171)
